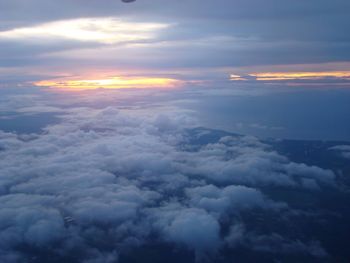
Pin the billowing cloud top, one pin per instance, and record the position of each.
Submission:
(103, 181)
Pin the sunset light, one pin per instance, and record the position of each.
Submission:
(101, 30)
(110, 83)
(236, 77)
(272, 76)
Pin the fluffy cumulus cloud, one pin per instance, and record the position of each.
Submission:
(228, 199)
(192, 227)
(273, 243)
(103, 181)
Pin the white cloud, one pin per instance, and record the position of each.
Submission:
(108, 174)
(228, 199)
(192, 227)
(101, 30)
(343, 149)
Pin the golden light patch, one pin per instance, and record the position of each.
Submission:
(111, 83)
(275, 76)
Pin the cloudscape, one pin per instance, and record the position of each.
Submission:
(174, 131)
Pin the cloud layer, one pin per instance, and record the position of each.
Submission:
(102, 182)
(190, 37)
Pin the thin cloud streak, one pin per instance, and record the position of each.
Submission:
(300, 75)
(297, 78)
(101, 30)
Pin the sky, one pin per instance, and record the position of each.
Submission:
(46, 42)
(219, 49)
(180, 131)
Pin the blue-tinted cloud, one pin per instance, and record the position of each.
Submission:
(134, 178)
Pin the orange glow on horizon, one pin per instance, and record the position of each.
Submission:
(275, 76)
(111, 83)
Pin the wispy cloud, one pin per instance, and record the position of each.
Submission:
(101, 30)
(296, 78)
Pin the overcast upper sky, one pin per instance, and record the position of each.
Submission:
(192, 40)
(272, 48)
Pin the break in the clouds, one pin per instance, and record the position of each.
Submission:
(186, 38)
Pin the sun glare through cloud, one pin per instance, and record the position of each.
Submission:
(101, 30)
(111, 83)
(301, 75)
